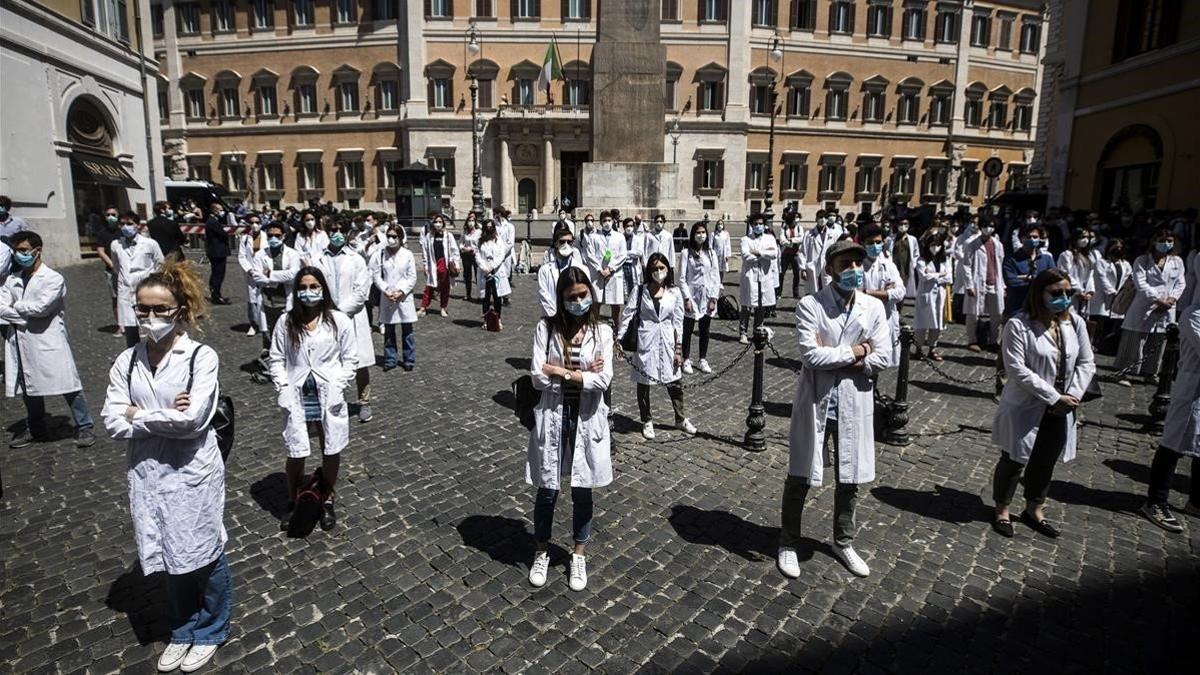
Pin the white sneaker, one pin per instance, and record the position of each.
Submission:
(851, 560)
(687, 367)
(578, 572)
(788, 563)
(688, 427)
(172, 656)
(381, 330)
(445, 313)
(537, 572)
(251, 332)
(197, 657)
(704, 367)
(648, 431)
(743, 339)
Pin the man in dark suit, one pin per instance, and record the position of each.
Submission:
(164, 230)
(216, 247)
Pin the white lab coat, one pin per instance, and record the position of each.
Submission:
(932, 286)
(37, 354)
(548, 274)
(349, 287)
(1181, 430)
(813, 246)
(758, 254)
(974, 275)
(264, 275)
(6, 262)
(429, 258)
(311, 248)
(656, 242)
(591, 463)
(1109, 276)
(723, 247)
(246, 262)
(612, 290)
(1080, 270)
(658, 333)
(962, 244)
(877, 275)
(506, 232)
(914, 248)
(132, 262)
(329, 354)
(700, 280)
(176, 475)
(1153, 284)
(394, 271)
(495, 256)
(827, 335)
(1031, 361)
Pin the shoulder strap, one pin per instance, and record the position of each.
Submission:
(132, 365)
(192, 368)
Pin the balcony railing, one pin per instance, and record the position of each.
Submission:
(541, 110)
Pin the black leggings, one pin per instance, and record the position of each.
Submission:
(468, 270)
(688, 326)
(491, 299)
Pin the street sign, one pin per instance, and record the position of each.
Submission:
(992, 167)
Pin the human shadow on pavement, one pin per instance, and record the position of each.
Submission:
(270, 493)
(505, 398)
(504, 540)
(143, 599)
(1141, 473)
(949, 389)
(518, 363)
(1117, 501)
(749, 541)
(943, 503)
(467, 323)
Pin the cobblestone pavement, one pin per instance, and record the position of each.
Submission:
(426, 570)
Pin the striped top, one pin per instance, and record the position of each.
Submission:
(572, 388)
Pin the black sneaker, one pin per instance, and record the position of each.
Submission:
(328, 517)
(21, 439)
(85, 438)
(1160, 515)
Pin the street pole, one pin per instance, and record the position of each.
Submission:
(897, 432)
(476, 173)
(1161, 403)
(756, 420)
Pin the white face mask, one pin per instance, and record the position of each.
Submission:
(701, 238)
(393, 242)
(565, 250)
(154, 329)
(902, 229)
(310, 224)
(660, 275)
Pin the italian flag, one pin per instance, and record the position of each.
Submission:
(551, 67)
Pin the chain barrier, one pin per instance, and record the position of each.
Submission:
(954, 378)
(1151, 346)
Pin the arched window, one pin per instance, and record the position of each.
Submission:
(1129, 167)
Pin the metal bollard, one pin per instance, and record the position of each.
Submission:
(756, 420)
(1166, 377)
(897, 432)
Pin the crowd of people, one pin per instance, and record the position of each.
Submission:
(610, 286)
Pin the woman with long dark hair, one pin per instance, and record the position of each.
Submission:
(468, 243)
(1048, 358)
(572, 367)
(700, 280)
(492, 259)
(934, 278)
(313, 360)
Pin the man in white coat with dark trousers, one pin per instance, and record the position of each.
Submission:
(844, 342)
(350, 286)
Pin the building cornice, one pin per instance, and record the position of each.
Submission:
(1138, 97)
(1136, 63)
(71, 32)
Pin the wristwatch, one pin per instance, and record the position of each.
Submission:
(567, 375)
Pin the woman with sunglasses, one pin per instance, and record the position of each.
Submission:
(1048, 358)
(1159, 282)
(313, 359)
(162, 394)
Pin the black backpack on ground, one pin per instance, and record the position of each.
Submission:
(728, 308)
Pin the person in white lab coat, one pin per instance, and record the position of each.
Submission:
(506, 232)
(605, 258)
(38, 361)
(1158, 277)
(904, 251)
(494, 257)
(364, 239)
(722, 246)
(1111, 272)
(635, 245)
(441, 261)
(1048, 358)
(934, 279)
(960, 238)
(468, 243)
(1181, 430)
(311, 240)
(1079, 263)
(881, 280)
(845, 342)
(350, 286)
(249, 244)
(982, 265)
(791, 237)
(394, 272)
(659, 306)
(759, 250)
(134, 256)
(563, 255)
(659, 240)
(273, 272)
(813, 246)
(572, 367)
(700, 281)
(162, 394)
(313, 359)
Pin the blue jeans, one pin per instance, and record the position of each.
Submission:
(389, 345)
(581, 498)
(35, 409)
(199, 604)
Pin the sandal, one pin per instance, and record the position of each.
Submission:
(1043, 526)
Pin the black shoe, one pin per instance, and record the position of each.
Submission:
(507, 302)
(1043, 527)
(21, 439)
(328, 517)
(387, 367)
(408, 368)
(85, 438)
(1003, 527)
(287, 516)
(221, 301)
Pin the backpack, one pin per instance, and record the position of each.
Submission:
(728, 308)
(223, 417)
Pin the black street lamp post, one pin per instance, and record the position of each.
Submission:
(474, 47)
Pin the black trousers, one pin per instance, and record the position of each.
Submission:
(1039, 471)
(468, 271)
(674, 390)
(789, 262)
(1162, 469)
(689, 325)
(491, 299)
(216, 277)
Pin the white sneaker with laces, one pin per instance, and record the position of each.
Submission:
(537, 572)
(743, 339)
(648, 431)
(688, 427)
(172, 656)
(704, 367)
(251, 332)
(578, 572)
(197, 657)
(687, 367)
(788, 563)
(445, 313)
(851, 560)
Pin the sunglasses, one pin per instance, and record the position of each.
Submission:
(1062, 293)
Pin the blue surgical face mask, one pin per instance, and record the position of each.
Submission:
(1164, 246)
(1058, 304)
(1033, 243)
(873, 250)
(337, 240)
(24, 259)
(274, 242)
(310, 298)
(758, 230)
(851, 279)
(128, 231)
(3, 211)
(579, 308)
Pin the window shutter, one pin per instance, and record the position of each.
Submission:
(793, 13)
(721, 174)
(700, 10)
(841, 178)
(428, 7)
(774, 12)
(697, 176)
(429, 93)
(852, 9)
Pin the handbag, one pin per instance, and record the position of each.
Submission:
(629, 341)
(223, 417)
(1124, 297)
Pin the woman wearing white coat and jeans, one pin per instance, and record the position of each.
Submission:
(313, 359)
(572, 367)
(700, 280)
(1159, 282)
(845, 341)
(134, 257)
(1048, 358)
(395, 275)
(757, 286)
(162, 394)
(659, 308)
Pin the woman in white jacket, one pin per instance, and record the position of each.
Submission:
(313, 359)
(1110, 273)
(659, 307)
(759, 251)
(493, 260)
(572, 367)
(134, 256)
(468, 244)
(311, 240)
(1159, 282)
(722, 247)
(249, 244)
(350, 286)
(162, 394)
(1048, 358)
(562, 256)
(700, 281)
(441, 260)
(394, 273)
(934, 278)
(606, 257)
(1079, 264)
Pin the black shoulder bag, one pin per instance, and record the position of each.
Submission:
(222, 419)
(629, 341)
(526, 396)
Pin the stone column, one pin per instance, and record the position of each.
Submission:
(412, 46)
(175, 134)
(548, 193)
(504, 177)
(736, 82)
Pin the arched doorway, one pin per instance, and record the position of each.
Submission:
(1128, 169)
(526, 195)
(98, 180)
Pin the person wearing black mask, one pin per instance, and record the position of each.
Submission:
(105, 234)
(216, 247)
(163, 229)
